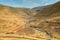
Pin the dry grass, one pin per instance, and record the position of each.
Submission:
(15, 25)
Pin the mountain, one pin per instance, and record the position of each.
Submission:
(41, 8)
(28, 24)
(48, 19)
(52, 10)
(14, 24)
(23, 11)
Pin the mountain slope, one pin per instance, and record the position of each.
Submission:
(48, 20)
(14, 25)
(41, 8)
(53, 10)
(22, 11)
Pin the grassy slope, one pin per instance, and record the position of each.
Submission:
(54, 10)
(13, 25)
(49, 20)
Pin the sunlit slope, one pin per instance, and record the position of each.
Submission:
(48, 20)
(52, 11)
(14, 26)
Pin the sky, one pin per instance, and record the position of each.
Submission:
(27, 3)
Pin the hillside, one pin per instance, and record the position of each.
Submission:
(22, 11)
(41, 8)
(27, 24)
(48, 20)
(53, 10)
(14, 25)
